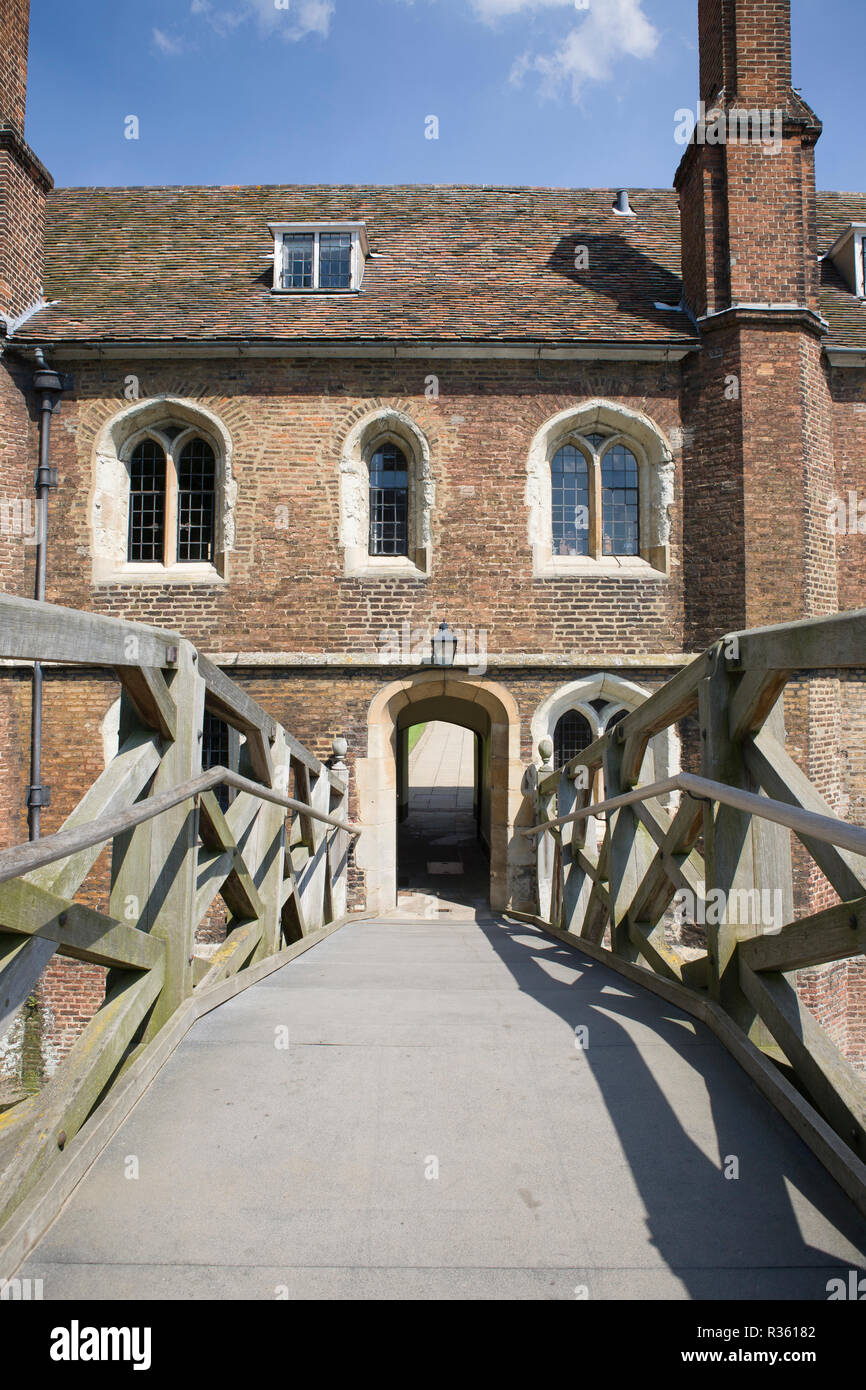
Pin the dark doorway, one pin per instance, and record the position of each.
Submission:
(441, 855)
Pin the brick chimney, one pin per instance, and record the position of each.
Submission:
(745, 50)
(758, 472)
(747, 180)
(24, 182)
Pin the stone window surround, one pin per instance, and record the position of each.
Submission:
(109, 502)
(663, 753)
(385, 426)
(655, 481)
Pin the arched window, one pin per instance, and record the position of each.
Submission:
(196, 489)
(599, 492)
(389, 501)
(147, 469)
(619, 493)
(573, 733)
(594, 494)
(172, 499)
(570, 498)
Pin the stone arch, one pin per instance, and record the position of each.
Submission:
(663, 753)
(493, 713)
(656, 471)
(108, 510)
(383, 425)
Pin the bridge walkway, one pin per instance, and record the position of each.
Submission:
(432, 1130)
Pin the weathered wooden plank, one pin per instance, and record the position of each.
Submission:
(155, 871)
(834, 934)
(654, 949)
(79, 932)
(628, 856)
(836, 1088)
(239, 889)
(306, 824)
(213, 868)
(115, 790)
(729, 846)
(751, 702)
(233, 954)
(68, 1098)
(781, 778)
(149, 693)
(818, 644)
(32, 631)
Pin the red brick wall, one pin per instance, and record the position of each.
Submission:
(14, 33)
(289, 422)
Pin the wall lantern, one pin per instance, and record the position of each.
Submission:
(444, 646)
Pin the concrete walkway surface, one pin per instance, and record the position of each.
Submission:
(433, 1131)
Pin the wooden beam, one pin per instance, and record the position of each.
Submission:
(813, 644)
(79, 932)
(837, 933)
(778, 774)
(68, 1098)
(232, 955)
(32, 631)
(751, 702)
(147, 689)
(835, 1087)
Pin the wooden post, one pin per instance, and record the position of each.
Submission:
(154, 868)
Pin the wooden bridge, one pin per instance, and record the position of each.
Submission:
(554, 1105)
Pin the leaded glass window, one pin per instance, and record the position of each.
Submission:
(335, 261)
(619, 483)
(571, 735)
(389, 501)
(298, 262)
(196, 486)
(147, 503)
(570, 486)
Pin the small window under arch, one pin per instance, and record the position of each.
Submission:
(572, 734)
(389, 501)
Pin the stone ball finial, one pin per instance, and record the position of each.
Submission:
(545, 750)
(340, 747)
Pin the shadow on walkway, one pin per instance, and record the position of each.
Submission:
(773, 1214)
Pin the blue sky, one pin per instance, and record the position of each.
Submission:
(338, 91)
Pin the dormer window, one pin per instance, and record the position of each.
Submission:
(323, 257)
(848, 254)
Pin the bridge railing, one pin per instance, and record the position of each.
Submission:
(278, 856)
(716, 849)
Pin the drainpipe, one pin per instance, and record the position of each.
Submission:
(49, 385)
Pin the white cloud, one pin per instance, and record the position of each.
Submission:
(293, 21)
(612, 29)
(603, 32)
(167, 44)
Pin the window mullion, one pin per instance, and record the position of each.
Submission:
(316, 243)
(171, 509)
(595, 508)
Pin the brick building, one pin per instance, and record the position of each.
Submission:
(590, 431)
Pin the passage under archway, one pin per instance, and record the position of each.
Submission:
(442, 850)
(488, 711)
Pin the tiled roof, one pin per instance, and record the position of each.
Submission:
(844, 313)
(451, 263)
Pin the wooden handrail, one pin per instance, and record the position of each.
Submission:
(829, 829)
(24, 859)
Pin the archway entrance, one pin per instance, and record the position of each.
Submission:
(443, 844)
(489, 713)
